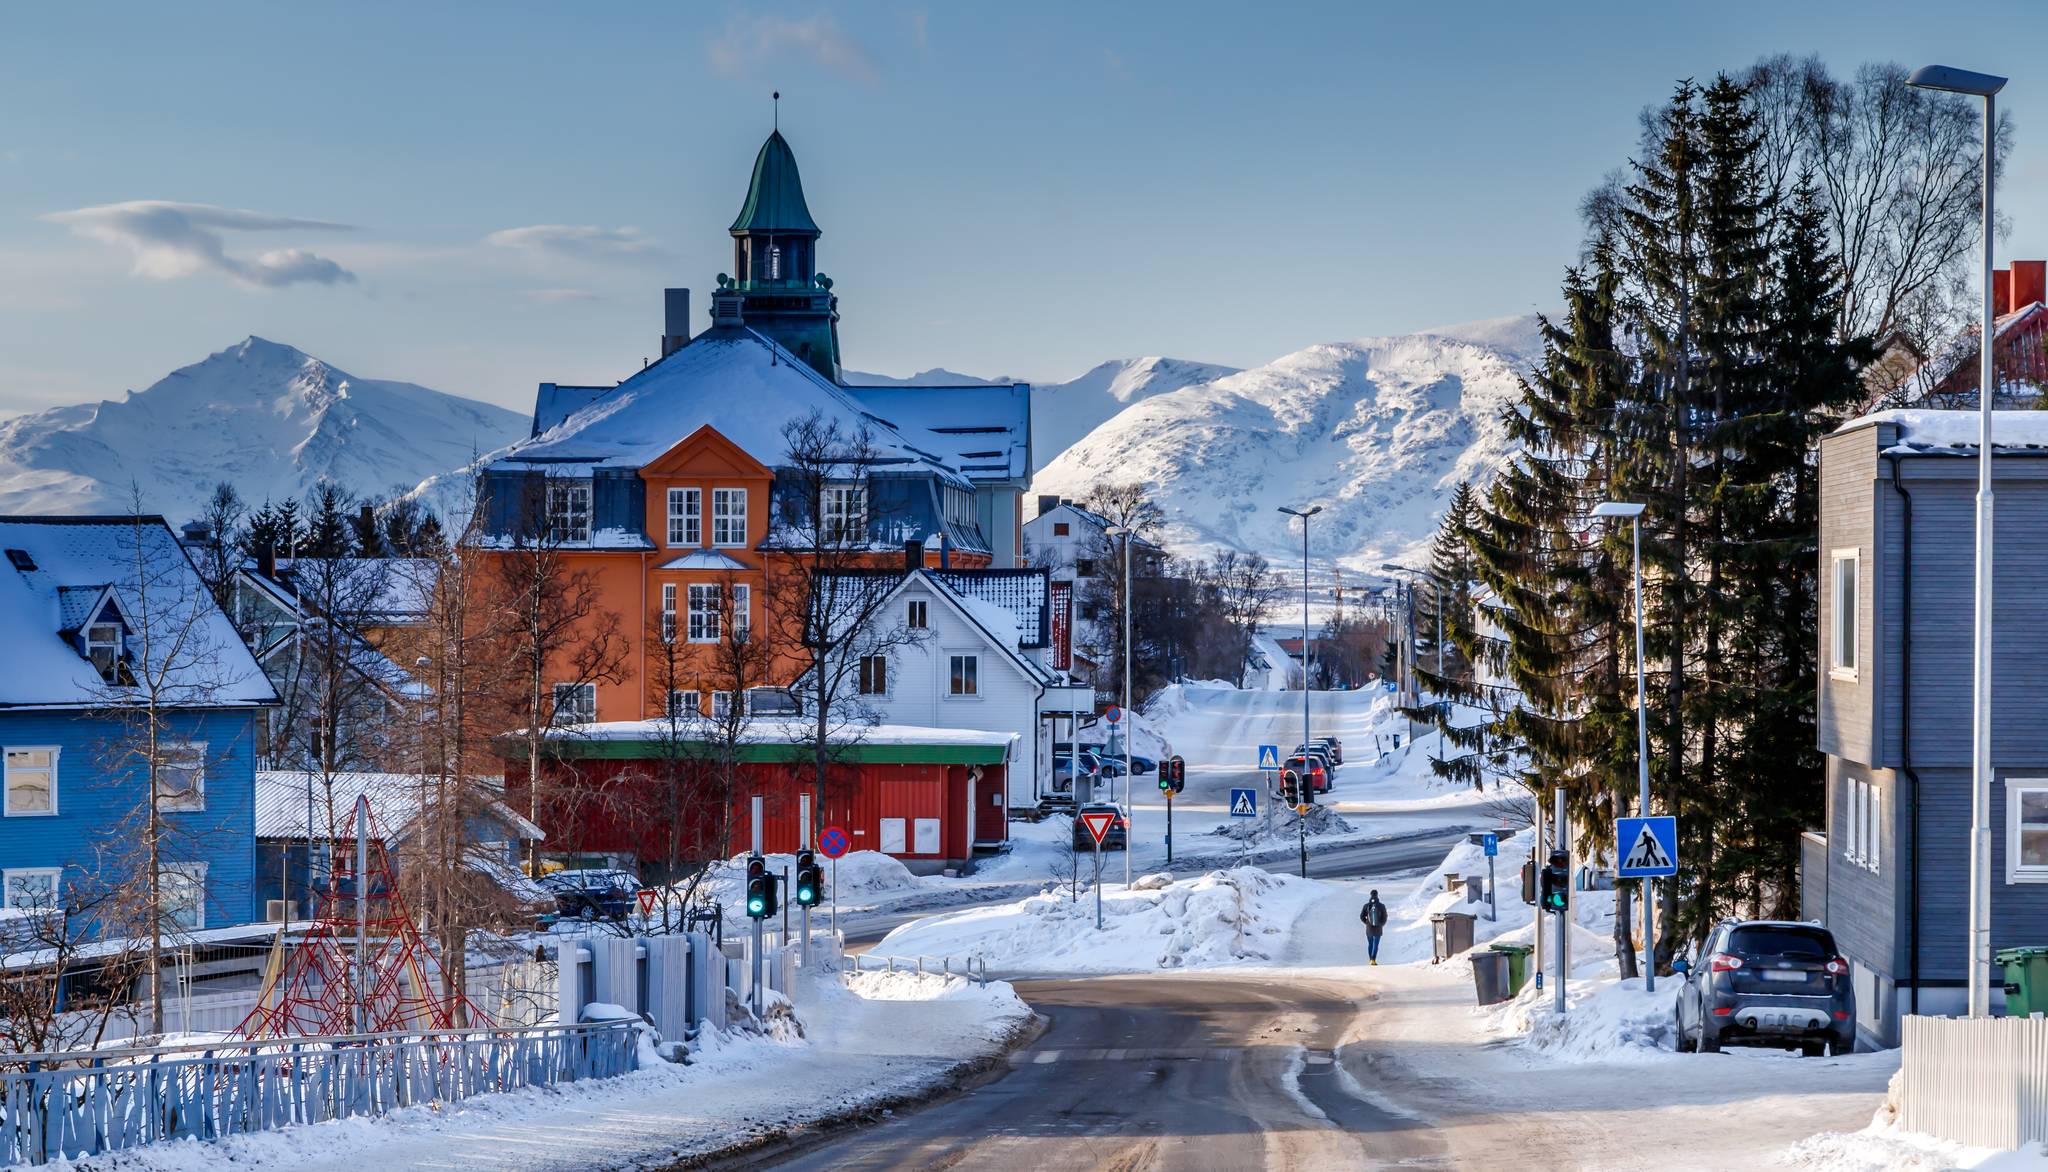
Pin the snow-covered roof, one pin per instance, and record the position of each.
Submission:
(762, 731)
(983, 430)
(1022, 593)
(557, 401)
(1089, 517)
(395, 802)
(139, 563)
(732, 379)
(383, 590)
(704, 559)
(1923, 431)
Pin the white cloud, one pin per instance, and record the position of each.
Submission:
(749, 41)
(171, 240)
(583, 240)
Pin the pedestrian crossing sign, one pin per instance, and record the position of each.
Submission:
(1649, 847)
(1244, 803)
(1269, 756)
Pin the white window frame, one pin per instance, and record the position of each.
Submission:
(707, 606)
(918, 615)
(972, 678)
(721, 703)
(167, 803)
(576, 708)
(1845, 613)
(1863, 823)
(112, 671)
(742, 610)
(845, 515)
(2016, 871)
(682, 703)
(685, 525)
(7, 769)
(864, 677)
(569, 505)
(186, 877)
(729, 517)
(54, 874)
(668, 612)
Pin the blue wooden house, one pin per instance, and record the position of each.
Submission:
(107, 631)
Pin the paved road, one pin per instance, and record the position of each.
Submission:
(1165, 1072)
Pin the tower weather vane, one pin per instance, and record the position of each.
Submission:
(777, 115)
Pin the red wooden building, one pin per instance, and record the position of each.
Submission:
(632, 790)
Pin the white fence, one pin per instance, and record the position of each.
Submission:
(1977, 1081)
(974, 968)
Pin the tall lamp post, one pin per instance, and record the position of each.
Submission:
(1634, 512)
(1308, 789)
(1945, 79)
(1130, 801)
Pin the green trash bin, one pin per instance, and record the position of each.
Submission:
(2026, 979)
(1518, 965)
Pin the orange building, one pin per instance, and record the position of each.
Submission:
(673, 491)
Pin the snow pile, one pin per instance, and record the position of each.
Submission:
(1321, 820)
(1410, 934)
(1220, 918)
(908, 985)
(1605, 1019)
(267, 417)
(1884, 1148)
(1378, 432)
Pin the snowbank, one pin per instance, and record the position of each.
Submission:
(1881, 1148)
(1221, 918)
(862, 877)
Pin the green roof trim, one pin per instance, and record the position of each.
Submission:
(860, 754)
(775, 198)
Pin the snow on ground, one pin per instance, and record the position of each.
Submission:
(1880, 1148)
(1222, 918)
(861, 878)
(874, 1042)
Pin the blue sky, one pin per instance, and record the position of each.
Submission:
(1021, 189)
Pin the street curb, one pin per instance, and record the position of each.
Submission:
(760, 1150)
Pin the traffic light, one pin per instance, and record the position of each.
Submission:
(760, 889)
(1556, 883)
(810, 879)
(1180, 773)
(1290, 786)
(1166, 778)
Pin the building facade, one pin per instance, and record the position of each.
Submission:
(122, 669)
(1888, 871)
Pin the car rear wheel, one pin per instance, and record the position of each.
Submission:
(1840, 1046)
(588, 912)
(1709, 1043)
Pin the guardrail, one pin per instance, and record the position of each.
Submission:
(86, 1103)
(974, 968)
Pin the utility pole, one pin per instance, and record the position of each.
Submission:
(1564, 944)
(362, 912)
(803, 842)
(1305, 789)
(755, 988)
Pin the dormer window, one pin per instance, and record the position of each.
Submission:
(569, 512)
(103, 647)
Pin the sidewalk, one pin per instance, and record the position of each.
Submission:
(900, 1036)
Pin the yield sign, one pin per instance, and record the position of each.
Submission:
(1098, 823)
(646, 901)
(1649, 847)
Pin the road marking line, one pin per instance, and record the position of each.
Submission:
(1047, 1056)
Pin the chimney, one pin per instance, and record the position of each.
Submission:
(266, 560)
(197, 534)
(1047, 503)
(913, 555)
(675, 317)
(368, 525)
(2001, 292)
(2029, 282)
(945, 553)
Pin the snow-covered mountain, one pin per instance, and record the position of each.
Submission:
(267, 417)
(1063, 412)
(1378, 432)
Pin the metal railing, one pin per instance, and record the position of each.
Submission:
(974, 968)
(86, 1103)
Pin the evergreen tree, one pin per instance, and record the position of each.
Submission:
(330, 532)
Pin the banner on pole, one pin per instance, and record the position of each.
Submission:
(1061, 599)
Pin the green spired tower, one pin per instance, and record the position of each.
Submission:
(779, 290)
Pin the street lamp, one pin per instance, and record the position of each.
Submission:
(1130, 802)
(1946, 79)
(1634, 512)
(1309, 794)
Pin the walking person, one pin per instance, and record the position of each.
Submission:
(1374, 916)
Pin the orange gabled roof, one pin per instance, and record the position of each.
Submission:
(706, 451)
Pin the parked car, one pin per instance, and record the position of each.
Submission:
(593, 894)
(1318, 776)
(1767, 983)
(1336, 748)
(1139, 762)
(1318, 754)
(1115, 839)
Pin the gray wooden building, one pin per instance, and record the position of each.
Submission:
(1889, 871)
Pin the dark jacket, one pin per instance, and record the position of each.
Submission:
(1374, 916)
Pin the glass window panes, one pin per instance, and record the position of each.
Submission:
(181, 778)
(846, 515)
(182, 891)
(1844, 606)
(569, 511)
(575, 703)
(728, 516)
(917, 615)
(31, 781)
(2027, 808)
(686, 516)
(706, 601)
(964, 676)
(30, 887)
(874, 675)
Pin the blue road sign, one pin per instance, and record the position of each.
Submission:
(1269, 756)
(1492, 844)
(1649, 847)
(1244, 803)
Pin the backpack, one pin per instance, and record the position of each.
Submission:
(1373, 914)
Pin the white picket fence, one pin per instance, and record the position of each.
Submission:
(1977, 1081)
